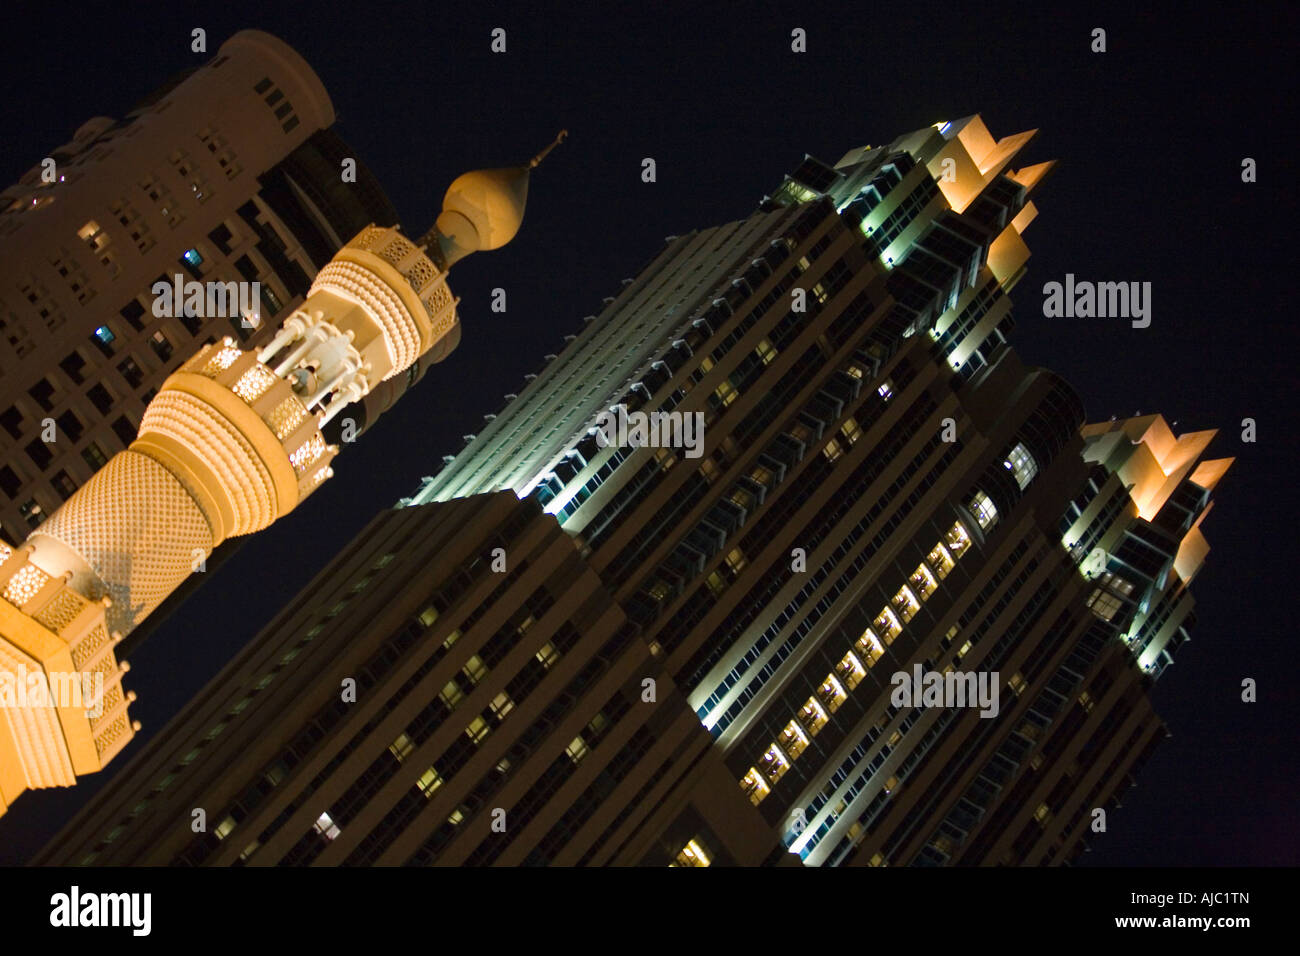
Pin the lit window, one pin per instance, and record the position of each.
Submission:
(501, 705)
(428, 616)
(693, 854)
(831, 693)
(887, 624)
(755, 786)
(429, 781)
(851, 431)
(906, 604)
(104, 334)
(224, 827)
(475, 669)
(766, 351)
(958, 539)
(736, 560)
(726, 392)
(192, 257)
(548, 655)
(923, 582)
(850, 670)
(326, 827)
(402, 746)
(1022, 465)
(774, 763)
(793, 739)
(984, 510)
(478, 729)
(577, 749)
(832, 450)
(1104, 605)
(886, 390)
(940, 560)
(869, 647)
(451, 694)
(813, 715)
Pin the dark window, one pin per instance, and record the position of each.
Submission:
(63, 484)
(70, 425)
(12, 419)
(100, 398)
(246, 268)
(94, 456)
(291, 125)
(263, 85)
(221, 237)
(271, 304)
(41, 393)
(9, 482)
(39, 453)
(125, 430)
(274, 97)
(131, 372)
(73, 365)
(283, 110)
(132, 312)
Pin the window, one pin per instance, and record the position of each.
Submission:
(693, 854)
(94, 455)
(869, 647)
(793, 739)
(326, 827)
(162, 346)
(429, 781)
(263, 85)
(9, 482)
(958, 539)
(402, 746)
(72, 366)
(755, 786)
(1022, 465)
(132, 312)
(42, 393)
(850, 670)
(63, 484)
(70, 425)
(577, 749)
(774, 764)
(923, 582)
(39, 453)
(831, 693)
(102, 338)
(886, 390)
(124, 430)
(887, 624)
(984, 510)
(906, 604)
(940, 560)
(12, 420)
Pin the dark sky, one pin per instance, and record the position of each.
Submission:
(1150, 138)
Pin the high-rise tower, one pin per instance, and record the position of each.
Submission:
(573, 650)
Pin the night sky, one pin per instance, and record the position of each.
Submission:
(1150, 137)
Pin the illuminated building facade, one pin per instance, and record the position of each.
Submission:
(229, 173)
(565, 653)
(234, 439)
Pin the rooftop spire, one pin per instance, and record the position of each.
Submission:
(560, 137)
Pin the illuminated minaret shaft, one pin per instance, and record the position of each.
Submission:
(233, 441)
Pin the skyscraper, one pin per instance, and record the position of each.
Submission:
(685, 647)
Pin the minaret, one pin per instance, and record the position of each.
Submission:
(232, 441)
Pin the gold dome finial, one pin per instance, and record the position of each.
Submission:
(484, 209)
